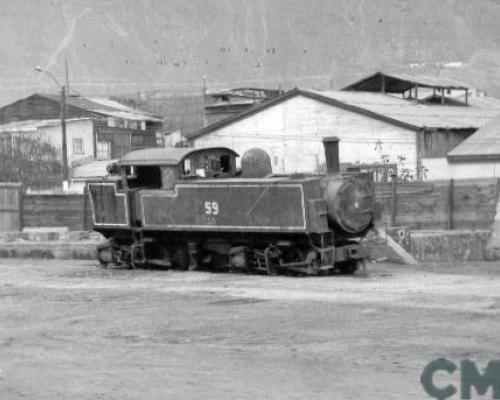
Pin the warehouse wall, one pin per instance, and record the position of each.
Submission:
(440, 168)
(291, 133)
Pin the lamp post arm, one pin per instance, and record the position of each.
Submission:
(49, 74)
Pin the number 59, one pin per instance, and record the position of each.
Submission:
(211, 208)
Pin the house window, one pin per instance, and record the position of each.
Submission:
(103, 150)
(137, 141)
(78, 146)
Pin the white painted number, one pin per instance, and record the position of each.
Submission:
(215, 208)
(211, 208)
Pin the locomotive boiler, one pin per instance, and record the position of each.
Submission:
(193, 209)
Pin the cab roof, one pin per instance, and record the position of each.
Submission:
(167, 156)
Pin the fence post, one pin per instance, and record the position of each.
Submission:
(449, 222)
(20, 199)
(394, 200)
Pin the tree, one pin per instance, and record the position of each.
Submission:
(30, 161)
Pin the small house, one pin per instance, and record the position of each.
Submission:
(96, 128)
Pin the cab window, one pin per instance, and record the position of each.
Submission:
(143, 176)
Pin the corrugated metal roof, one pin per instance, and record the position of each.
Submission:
(33, 124)
(429, 80)
(417, 114)
(483, 145)
(93, 169)
(233, 102)
(401, 112)
(398, 82)
(481, 101)
(106, 106)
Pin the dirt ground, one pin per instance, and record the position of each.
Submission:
(72, 331)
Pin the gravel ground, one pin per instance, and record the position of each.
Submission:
(72, 331)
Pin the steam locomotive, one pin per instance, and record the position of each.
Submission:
(193, 209)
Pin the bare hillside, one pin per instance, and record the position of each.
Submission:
(125, 46)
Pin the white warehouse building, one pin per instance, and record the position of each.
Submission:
(372, 127)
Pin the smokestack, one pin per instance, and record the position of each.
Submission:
(331, 145)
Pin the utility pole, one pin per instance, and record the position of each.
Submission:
(65, 172)
(204, 97)
(64, 145)
(67, 77)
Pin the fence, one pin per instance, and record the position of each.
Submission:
(71, 210)
(19, 210)
(453, 204)
(450, 204)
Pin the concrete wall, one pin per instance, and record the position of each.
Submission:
(291, 133)
(440, 168)
(80, 129)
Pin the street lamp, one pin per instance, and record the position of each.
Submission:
(65, 171)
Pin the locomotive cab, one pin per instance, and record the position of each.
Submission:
(114, 203)
(162, 168)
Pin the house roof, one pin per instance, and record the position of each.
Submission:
(105, 106)
(418, 115)
(92, 169)
(246, 92)
(164, 156)
(399, 82)
(483, 145)
(400, 112)
(239, 97)
(32, 125)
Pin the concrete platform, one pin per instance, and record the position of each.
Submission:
(443, 245)
(434, 246)
(50, 244)
(49, 250)
(81, 245)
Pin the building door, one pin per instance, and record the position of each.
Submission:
(103, 150)
(278, 160)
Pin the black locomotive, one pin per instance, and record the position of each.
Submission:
(191, 208)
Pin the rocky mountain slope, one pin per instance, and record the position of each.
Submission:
(129, 46)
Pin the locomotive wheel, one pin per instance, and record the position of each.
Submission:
(315, 268)
(159, 256)
(102, 262)
(349, 267)
(314, 263)
(104, 255)
(181, 257)
(271, 257)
